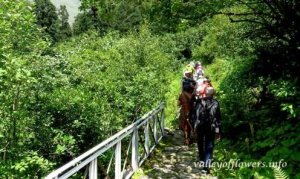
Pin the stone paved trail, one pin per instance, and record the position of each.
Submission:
(172, 159)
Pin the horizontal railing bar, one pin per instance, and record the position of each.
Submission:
(92, 157)
(148, 118)
(119, 136)
(145, 121)
(100, 151)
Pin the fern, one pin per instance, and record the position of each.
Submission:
(279, 173)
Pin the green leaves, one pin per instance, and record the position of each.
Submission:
(18, 33)
(64, 143)
(57, 102)
(87, 89)
(31, 165)
(256, 82)
(286, 94)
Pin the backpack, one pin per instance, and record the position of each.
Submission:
(205, 111)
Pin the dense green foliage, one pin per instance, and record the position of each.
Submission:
(56, 101)
(52, 99)
(255, 74)
(162, 15)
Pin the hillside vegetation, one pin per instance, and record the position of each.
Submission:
(63, 91)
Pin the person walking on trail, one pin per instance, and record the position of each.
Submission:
(184, 100)
(207, 126)
(199, 72)
(201, 85)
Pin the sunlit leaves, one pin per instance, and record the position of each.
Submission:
(18, 33)
(31, 165)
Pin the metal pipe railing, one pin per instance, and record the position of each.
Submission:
(89, 158)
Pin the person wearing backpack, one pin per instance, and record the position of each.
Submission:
(206, 118)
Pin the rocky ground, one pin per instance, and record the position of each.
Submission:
(172, 159)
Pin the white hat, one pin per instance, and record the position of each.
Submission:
(192, 64)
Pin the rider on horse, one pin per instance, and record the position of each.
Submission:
(188, 85)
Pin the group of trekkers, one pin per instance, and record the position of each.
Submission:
(199, 112)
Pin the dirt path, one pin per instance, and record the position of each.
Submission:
(172, 159)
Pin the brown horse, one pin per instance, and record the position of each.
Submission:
(186, 107)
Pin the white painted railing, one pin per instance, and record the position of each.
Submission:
(148, 130)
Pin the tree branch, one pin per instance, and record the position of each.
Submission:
(249, 21)
(241, 14)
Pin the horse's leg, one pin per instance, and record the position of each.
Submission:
(189, 129)
(182, 126)
(186, 133)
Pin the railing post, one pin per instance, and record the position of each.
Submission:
(147, 137)
(162, 121)
(93, 169)
(135, 149)
(155, 128)
(89, 158)
(118, 172)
